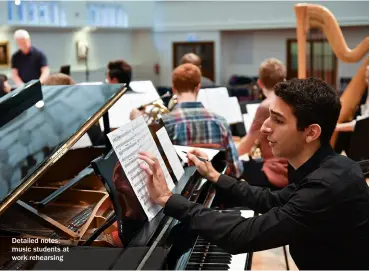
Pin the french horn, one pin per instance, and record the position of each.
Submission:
(154, 110)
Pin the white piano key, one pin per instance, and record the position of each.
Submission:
(247, 213)
(238, 262)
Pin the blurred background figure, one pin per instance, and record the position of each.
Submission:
(28, 62)
(4, 85)
(197, 61)
(59, 79)
(119, 71)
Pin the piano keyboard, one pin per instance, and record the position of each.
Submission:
(206, 256)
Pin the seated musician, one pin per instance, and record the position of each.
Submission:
(118, 72)
(58, 79)
(4, 85)
(197, 61)
(346, 128)
(272, 171)
(190, 123)
(323, 214)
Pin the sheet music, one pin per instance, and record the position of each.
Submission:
(203, 98)
(217, 100)
(249, 117)
(119, 113)
(170, 152)
(207, 95)
(83, 142)
(143, 86)
(179, 149)
(228, 108)
(127, 141)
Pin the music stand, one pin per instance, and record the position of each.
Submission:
(16, 102)
(66, 69)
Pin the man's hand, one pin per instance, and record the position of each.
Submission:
(135, 113)
(204, 168)
(157, 185)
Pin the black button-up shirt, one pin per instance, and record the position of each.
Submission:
(323, 215)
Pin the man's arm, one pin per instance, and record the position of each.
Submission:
(247, 142)
(43, 67)
(346, 126)
(235, 234)
(15, 76)
(254, 133)
(45, 71)
(256, 198)
(277, 227)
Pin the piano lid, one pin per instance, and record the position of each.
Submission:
(39, 136)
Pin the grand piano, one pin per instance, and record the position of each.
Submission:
(50, 190)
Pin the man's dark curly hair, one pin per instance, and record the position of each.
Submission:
(121, 70)
(313, 101)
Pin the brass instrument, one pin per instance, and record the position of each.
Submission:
(172, 103)
(316, 16)
(154, 110)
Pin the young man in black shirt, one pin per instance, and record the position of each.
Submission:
(323, 214)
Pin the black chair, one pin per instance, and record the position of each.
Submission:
(359, 144)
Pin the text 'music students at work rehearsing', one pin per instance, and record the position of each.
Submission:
(323, 214)
(28, 63)
(189, 123)
(272, 172)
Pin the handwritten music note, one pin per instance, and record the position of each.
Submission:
(127, 141)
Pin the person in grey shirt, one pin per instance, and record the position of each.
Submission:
(196, 60)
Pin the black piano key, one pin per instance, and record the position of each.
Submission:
(193, 266)
(217, 258)
(214, 266)
(215, 249)
(210, 258)
(202, 242)
(200, 249)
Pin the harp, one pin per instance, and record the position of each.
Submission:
(316, 16)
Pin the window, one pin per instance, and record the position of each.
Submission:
(106, 15)
(49, 13)
(321, 60)
(205, 50)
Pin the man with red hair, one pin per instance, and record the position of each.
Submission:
(189, 123)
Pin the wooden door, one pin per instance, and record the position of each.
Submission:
(321, 60)
(205, 50)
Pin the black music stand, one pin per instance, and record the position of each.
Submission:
(66, 69)
(16, 102)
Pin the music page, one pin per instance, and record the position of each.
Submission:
(170, 152)
(127, 141)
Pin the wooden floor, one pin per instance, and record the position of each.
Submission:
(272, 259)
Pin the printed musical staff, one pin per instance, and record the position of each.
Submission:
(127, 142)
